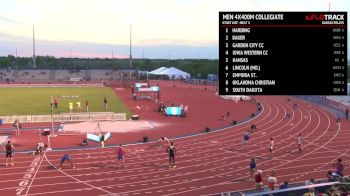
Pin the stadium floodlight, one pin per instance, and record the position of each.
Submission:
(51, 109)
(130, 57)
(34, 60)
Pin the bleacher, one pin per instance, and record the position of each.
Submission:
(336, 105)
(65, 75)
(77, 75)
(6, 75)
(62, 75)
(97, 74)
(344, 100)
(52, 75)
(116, 75)
(31, 75)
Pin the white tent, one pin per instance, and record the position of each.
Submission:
(172, 72)
(157, 71)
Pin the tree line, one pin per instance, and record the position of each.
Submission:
(198, 68)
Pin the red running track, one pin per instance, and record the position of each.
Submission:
(206, 164)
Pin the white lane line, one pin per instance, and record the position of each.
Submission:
(78, 179)
(31, 182)
(29, 175)
(276, 130)
(283, 155)
(155, 183)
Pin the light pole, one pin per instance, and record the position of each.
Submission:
(34, 60)
(53, 133)
(130, 52)
(52, 127)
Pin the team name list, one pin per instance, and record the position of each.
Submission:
(257, 53)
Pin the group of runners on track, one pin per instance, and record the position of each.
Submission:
(256, 175)
(120, 152)
(253, 128)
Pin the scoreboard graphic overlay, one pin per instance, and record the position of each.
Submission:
(283, 53)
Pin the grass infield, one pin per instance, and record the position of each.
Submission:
(26, 101)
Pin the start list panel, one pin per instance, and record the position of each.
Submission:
(283, 53)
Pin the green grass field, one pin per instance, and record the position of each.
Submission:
(25, 101)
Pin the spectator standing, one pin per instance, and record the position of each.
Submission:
(87, 105)
(258, 180)
(272, 180)
(310, 193)
(8, 148)
(79, 106)
(71, 106)
(55, 102)
(105, 102)
(102, 140)
(284, 185)
(172, 152)
(339, 167)
(17, 125)
(310, 182)
(329, 176)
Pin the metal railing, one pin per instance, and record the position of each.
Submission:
(66, 117)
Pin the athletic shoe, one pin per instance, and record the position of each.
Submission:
(59, 168)
(174, 166)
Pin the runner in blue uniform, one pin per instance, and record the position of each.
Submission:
(66, 157)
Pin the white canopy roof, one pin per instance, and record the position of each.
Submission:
(172, 72)
(160, 69)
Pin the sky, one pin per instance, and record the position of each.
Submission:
(174, 29)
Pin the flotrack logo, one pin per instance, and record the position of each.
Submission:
(324, 17)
